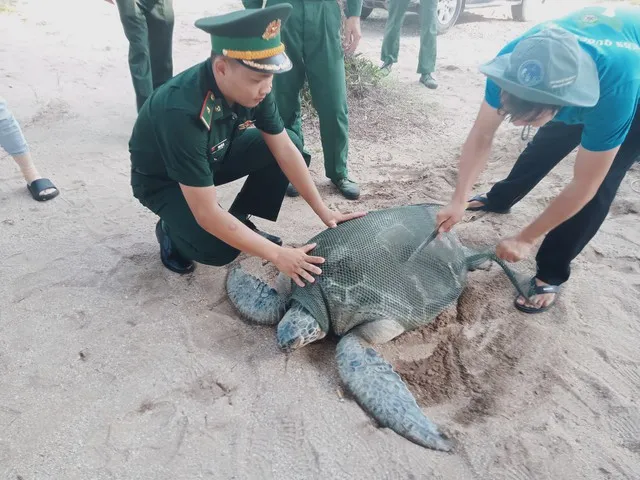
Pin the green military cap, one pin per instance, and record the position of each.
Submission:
(251, 36)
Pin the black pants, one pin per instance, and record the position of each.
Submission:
(148, 25)
(261, 195)
(551, 144)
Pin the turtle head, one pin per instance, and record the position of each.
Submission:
(297, 329)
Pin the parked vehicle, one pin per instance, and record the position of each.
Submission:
(449, 10)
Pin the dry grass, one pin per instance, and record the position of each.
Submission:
(377, 107)
(364, 83)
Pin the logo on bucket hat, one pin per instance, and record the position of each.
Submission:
(530, 73)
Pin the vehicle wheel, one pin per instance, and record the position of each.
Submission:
(366, 11)
(526, 11)
(448, 12)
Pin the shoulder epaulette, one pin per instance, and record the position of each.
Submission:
(206, 113)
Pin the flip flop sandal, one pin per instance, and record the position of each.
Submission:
(483, 208)
(38, 186)
(538, 290)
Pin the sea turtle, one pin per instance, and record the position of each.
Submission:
(379, 280)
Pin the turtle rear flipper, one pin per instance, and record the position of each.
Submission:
(255, 300)
(382, 393)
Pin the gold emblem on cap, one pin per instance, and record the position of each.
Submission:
(272, 30)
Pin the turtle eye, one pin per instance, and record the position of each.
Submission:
(290, 344)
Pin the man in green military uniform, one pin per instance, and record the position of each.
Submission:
(428, 35)
(212, 124)
(314, 44)
(148, 25)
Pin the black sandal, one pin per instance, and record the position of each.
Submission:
(40, 185)
(538, 290)
(485, 207)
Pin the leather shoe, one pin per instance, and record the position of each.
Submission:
(169, 255)
(291, 191)
(348, 188)
(268, 236)
(428, 81)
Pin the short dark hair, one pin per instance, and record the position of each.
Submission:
(231, 61)
(517, 108)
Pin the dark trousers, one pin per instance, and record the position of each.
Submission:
(551, 144)
(148, 25)
(261, 195)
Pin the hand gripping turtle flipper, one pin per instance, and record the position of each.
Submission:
(381, 392)
(255, 300)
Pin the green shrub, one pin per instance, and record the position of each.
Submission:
(363, 79)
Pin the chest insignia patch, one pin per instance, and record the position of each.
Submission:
(206, 112)
(219, 146)
(245, 125)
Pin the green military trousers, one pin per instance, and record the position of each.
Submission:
(313, 42)
(148, 25)
(428, 34)
(261, 195)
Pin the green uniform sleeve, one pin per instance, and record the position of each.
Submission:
(267, 116)
(354, 8)
(252, 3)
(183, 146)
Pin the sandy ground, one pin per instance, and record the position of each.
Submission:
(113, 367)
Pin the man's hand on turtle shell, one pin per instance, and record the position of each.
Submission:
(332, 218)
(297, 265)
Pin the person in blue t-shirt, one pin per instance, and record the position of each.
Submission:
(578, 79)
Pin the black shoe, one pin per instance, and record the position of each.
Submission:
(386, 66)
(291, 191)
(268, 236)
(428, 81)
(169, 255)
(348, 188)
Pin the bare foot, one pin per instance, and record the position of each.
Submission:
(538, 300)
(475, 204)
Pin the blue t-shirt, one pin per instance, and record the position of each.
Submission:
(612, 37)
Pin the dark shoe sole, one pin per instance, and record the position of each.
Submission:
(350, 197)
(173, 266)
(271, 238)
(536, 290)
(484, 207)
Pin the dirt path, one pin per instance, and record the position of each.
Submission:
(113, 367)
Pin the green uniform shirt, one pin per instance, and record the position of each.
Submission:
(186, 128)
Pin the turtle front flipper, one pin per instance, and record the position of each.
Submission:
(255, 300)
(382, 393)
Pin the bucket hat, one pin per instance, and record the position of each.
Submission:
(548, 67)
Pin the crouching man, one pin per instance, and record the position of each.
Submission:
(212, 124)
